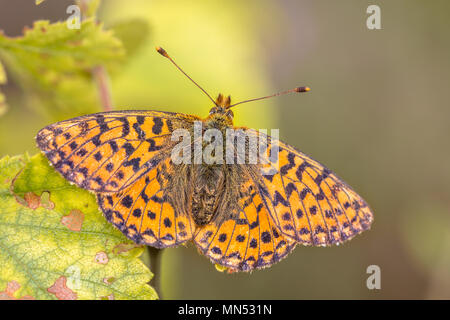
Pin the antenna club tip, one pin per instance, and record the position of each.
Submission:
(162, 52)
(302, 89)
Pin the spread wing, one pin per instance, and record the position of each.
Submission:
(107, 152)
(145, 211)
(306, 201)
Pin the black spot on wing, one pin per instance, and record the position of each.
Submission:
(279, 199)
(284, 169)
(129, 149)
(125, 126)
(127, 201)
(140, 119)
(158, 124)
(301, 168)
(140, 133)
(135, 163)
(153, 147)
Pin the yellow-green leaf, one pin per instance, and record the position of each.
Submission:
(55, 244)
(53, 63)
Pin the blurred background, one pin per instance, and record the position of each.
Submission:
(378, 115)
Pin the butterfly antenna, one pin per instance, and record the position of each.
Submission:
(298, 89)
(163, 52)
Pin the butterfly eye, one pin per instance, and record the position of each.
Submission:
(230, 114)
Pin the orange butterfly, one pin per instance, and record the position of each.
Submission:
(242, 216)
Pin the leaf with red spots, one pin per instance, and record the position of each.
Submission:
(10, 292)
(61, 291)
(54, 242)
(74, 220)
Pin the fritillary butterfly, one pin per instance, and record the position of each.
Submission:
(237, 216)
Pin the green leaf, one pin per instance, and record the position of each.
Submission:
(54, 64)
(55, 244)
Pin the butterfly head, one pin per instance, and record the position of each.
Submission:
(222, 109)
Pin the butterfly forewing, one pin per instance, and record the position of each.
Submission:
(107, 152)
(307, 201)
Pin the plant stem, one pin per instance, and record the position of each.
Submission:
(155, 266)
(99, 73)
(102, 79)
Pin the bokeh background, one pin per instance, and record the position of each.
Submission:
(378, 115)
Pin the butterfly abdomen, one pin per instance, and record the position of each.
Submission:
(207, 192)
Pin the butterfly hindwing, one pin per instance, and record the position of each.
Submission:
(107, 152)
(307, 201)
(248, 239)
(144, 213)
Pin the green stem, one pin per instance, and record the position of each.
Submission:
(155, 266)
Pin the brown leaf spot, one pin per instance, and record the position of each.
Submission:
(11, 288)
(124, 247)
(109, 280)
(33, 200)
(61, 291)
(74, 220)
(101, 257)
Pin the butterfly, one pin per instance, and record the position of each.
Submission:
(243, 216)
